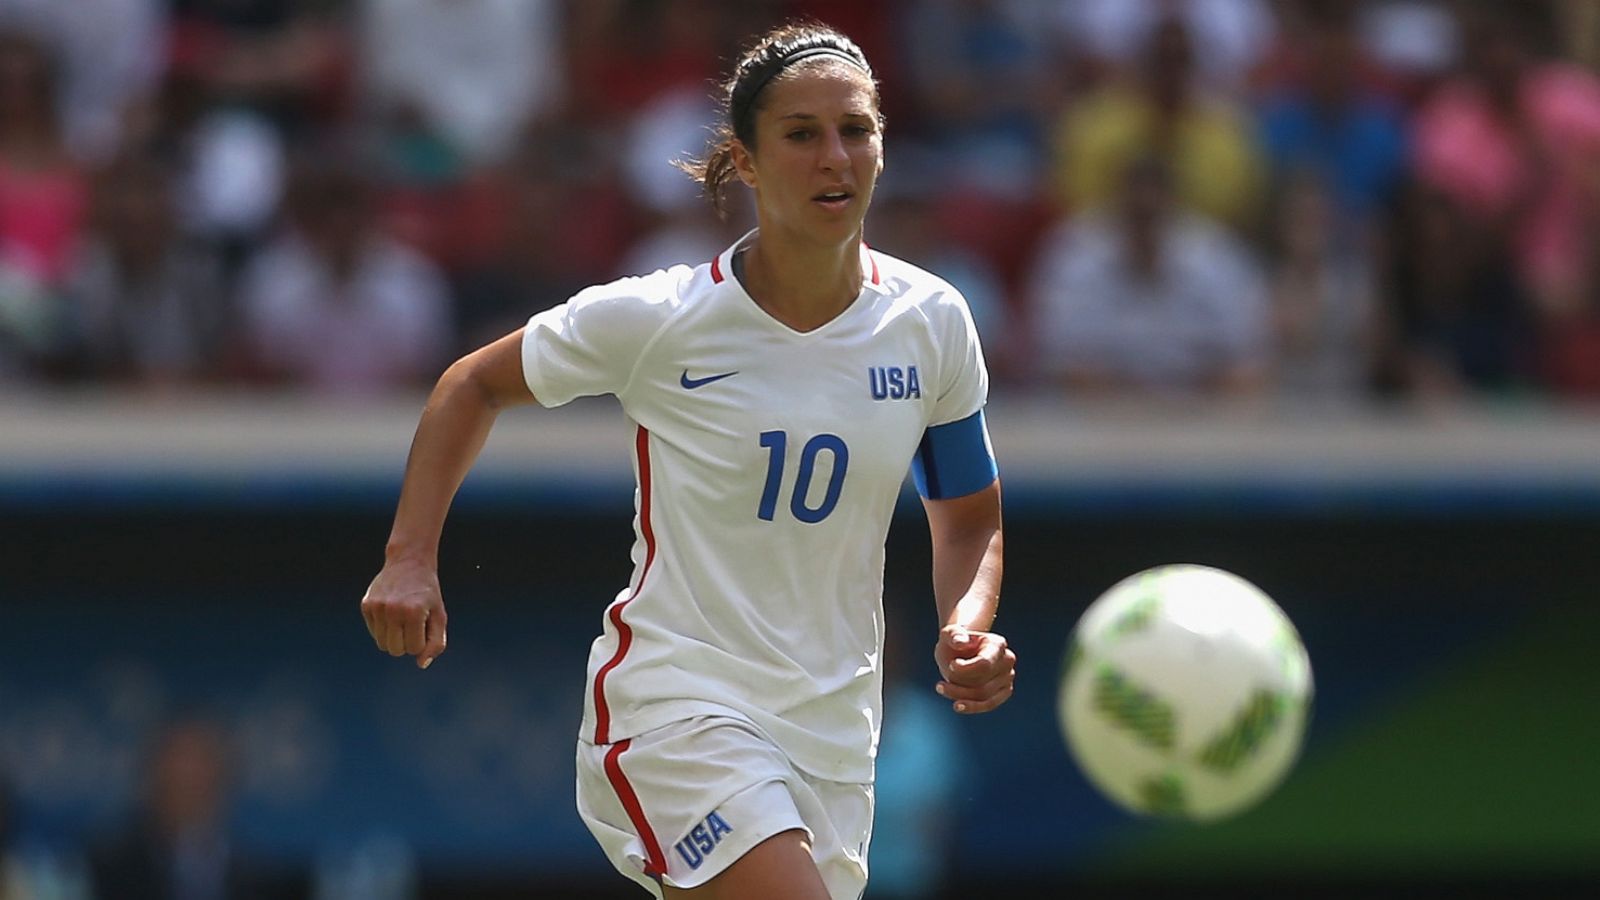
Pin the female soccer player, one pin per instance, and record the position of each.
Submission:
(779, 392)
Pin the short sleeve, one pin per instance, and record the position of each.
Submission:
(963, 375)
(591, 344)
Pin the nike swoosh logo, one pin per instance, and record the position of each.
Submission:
(692, 383)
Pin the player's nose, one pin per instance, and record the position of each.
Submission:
(833, 156)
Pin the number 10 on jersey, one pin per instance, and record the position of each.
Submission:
(777, 443)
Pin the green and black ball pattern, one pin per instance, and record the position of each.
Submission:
(1153, 722)
(1253, 725)
(1163, 795)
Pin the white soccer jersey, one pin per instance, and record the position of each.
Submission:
(768, 464)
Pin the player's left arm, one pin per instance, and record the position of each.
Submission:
(978, 667)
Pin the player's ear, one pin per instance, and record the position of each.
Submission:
(743, 162)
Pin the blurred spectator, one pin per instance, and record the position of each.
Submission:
(682, 42)
(568, 224)
(232, 180)
(1462, 319)
(1329, 119)
(178, 846)
(149, 306)
(1230, 36)
(248, 75)
(979, 73)
(1147, 296)
(227, 160)
(1569, 340)
(471, 71)
(683, 237)
(1206, 140)
(287, 60)
(112, 54)
(1514, 142)
(1570, 355)
(42, 203)
(334, 302)
(522, 150)
(623, 53)
(908, 225)
(670, 125)
(1416, 42)
(1323, 294)
(458, 224)
(451, 87)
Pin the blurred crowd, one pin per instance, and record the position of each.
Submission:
(1315, 198)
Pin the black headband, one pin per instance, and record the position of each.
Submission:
(789, 59)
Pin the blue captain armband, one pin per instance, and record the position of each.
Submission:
(954, 459)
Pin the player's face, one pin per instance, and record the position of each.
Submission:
(818, 153)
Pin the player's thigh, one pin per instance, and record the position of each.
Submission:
(778, 868)
(678, 805)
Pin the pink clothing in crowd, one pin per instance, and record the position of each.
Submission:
(40, 216)
(1481, 161)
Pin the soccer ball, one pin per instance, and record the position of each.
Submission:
(1185, 693)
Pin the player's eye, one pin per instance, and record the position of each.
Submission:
(799, 134)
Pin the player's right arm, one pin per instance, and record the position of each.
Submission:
(403, 608)
(586, 346)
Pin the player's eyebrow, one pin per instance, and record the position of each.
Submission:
(809, 117)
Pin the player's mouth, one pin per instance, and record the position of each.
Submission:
(834, 199)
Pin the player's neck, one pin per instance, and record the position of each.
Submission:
(802, 286)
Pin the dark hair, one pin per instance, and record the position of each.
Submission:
(766, 60)
(46, 69)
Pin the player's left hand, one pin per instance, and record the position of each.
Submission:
(979, 670)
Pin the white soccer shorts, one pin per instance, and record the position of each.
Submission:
(684, 801)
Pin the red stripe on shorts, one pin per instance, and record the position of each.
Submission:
(602, 711)
(716, 270)
(655, 861)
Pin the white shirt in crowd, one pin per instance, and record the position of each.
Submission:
(477, 70)
(386, 324)
(1204, 312)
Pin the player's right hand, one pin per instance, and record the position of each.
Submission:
(979, 669)
(404, 611)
